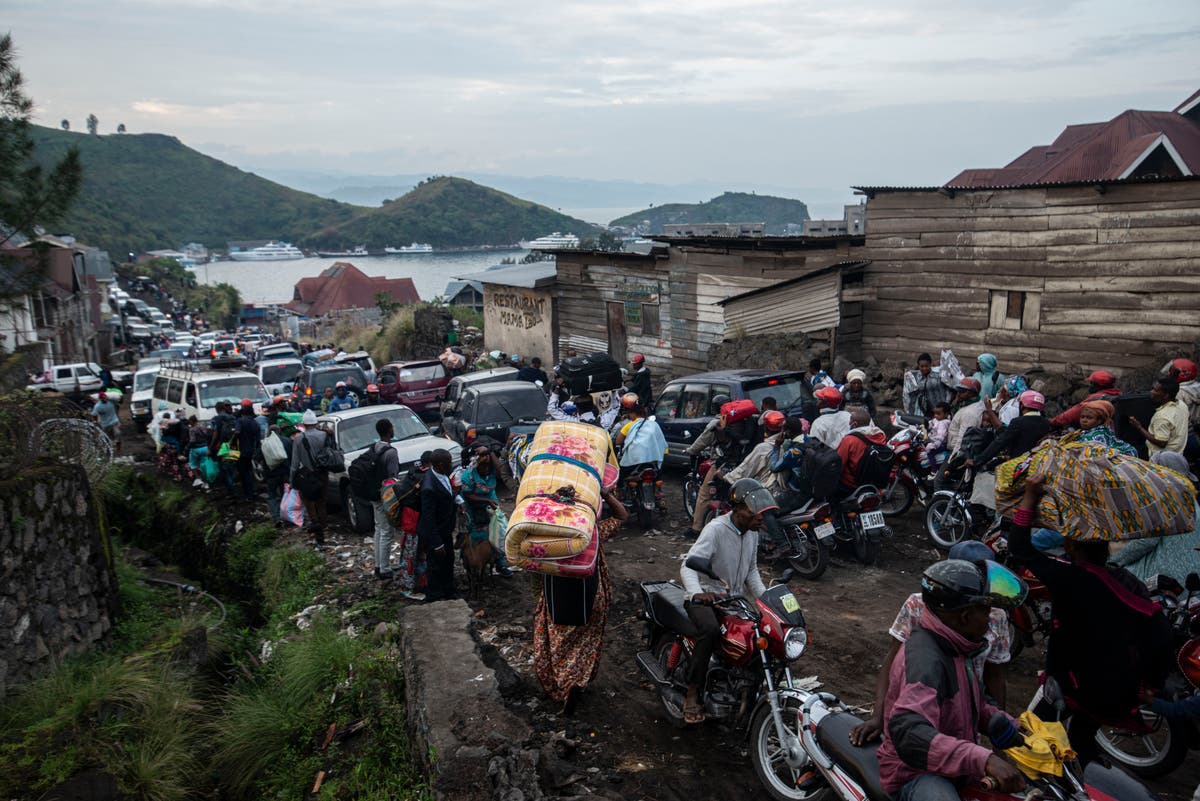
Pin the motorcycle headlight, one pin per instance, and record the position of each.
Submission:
(794, 643)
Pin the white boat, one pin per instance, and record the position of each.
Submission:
(554, 241)
(272, 251)
(361, 250)
(415, 247)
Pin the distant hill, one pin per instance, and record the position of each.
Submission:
(731, 207)
(150, 191)
(450, 212)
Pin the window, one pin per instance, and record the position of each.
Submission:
(387, 377)
(175, 392)
(1014, 310)
(190, 394)
(650, 322)
(160, 387)
(694, 403)
(667, 407)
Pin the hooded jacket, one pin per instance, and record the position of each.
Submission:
(933, 709)
(853, 448)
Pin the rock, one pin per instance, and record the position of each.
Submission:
(841, 366)
(385, 632)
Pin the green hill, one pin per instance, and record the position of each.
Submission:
(731, 207)
(450, 212)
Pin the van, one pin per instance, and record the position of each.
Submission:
(195, 388)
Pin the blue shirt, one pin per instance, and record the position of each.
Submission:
(342, 404)
(106, 413)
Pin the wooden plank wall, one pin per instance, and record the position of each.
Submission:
(1117, 275)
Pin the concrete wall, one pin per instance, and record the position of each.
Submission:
(519, 321)
(58, 592)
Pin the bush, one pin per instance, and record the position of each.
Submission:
(288, 580)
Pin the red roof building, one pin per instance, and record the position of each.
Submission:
(344, 286)
(1134, 144)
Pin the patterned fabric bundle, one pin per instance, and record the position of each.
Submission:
(1096, 493)
(559, 496)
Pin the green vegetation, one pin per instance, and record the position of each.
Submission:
(221, 302)
(731, 207)
(449, 212)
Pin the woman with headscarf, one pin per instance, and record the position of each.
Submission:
(1174, 556)
(855, 393)
(989, 378)
(1096, 425)
(1008, 403)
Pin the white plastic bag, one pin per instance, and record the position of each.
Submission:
(274, 454)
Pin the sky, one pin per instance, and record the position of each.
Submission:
(816, 96)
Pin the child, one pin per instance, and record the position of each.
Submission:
(939, 427)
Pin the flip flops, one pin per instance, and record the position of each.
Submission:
(692, 712)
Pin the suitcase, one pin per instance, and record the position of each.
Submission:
(738, 410)
(596, 372)
(1136, 405)
(570, 600)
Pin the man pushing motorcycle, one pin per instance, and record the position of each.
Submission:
(935, 702)
(730, 542)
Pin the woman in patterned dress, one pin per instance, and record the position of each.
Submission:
(566, 658)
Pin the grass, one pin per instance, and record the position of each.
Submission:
(288, 580)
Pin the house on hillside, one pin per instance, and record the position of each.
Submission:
(344, 286)
(519, 309)
(465, 293)
(1085, 251)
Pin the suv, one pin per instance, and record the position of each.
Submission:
(686, 405)
(496, 409)
(310, 386)
(195, 388)
(361, 358)
(279, 376)
(456, 386)
(354, 431)
(270, 353)
(141, 407)
(418, 385)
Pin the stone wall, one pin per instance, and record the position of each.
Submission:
(58, 592)
(766, 352)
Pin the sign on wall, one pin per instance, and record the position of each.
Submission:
(637, 293)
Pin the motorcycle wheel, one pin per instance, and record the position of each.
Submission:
(645, 517)
(945, 523)
(691, 491)
(768, 759)
(816, 556)
(897, 498)
(866, 549)
(1148, 754)
(662, 653)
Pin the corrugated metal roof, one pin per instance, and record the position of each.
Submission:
(524, 276)
(806, 305)
(876, 190)
(762, 242)
(841, 265)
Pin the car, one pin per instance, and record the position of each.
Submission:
(279, 376)
(361, 358)
(195, 388)
(141, 405)
(66, 378)
(456, 385)
(685, 406)
(418, 385)
(280, 350)
(311, 384)
(354, 431)
(495, 410)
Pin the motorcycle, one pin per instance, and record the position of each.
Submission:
(808, 537)
(643, 493)
(1032, 619)
(712, 458)
(948, 517)
(912, 475)
(859, 522)
(1162, 744)
(826, 765)
(748, 678)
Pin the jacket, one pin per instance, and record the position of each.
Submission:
(969, 416)
(734, 557)
(304, 457)
(757, 465)
(439, 514)
(830, 426)
(852, 449)
(1071, 416)
(639, 384)
(1018, 438)
(644, 443)
(934, 707)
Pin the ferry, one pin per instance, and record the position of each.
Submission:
(554, 241)
(360, 251)
(272, 251)
(415, 247)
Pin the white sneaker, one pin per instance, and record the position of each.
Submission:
(413, 596)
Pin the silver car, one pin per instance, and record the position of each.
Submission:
(354, 431)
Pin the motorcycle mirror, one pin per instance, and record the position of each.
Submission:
(1192, 582)
(701, 565)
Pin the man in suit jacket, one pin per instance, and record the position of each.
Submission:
(435, 528)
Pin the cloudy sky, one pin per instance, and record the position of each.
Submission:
(750, 92)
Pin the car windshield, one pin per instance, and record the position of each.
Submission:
(359, 432)
(231, 389)
(144, 380)
(421, 372)
(328, 378)
(280, 373)
(504, 408)
(786, 390)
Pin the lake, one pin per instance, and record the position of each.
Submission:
(273, 281)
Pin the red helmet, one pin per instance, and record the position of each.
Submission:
(630, 400)
(1102, 379)
(969, 385)
(773, 421)
(1183, 370)
(832, 396)
(637, 358)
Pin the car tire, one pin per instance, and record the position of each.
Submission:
(359, 513)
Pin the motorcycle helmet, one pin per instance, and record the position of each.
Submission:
(830, 396)
(630, 400)
(773, 421)
(1189, 662)
(750, 492)
(1101, 379)
(955, 584)
(1182, 370)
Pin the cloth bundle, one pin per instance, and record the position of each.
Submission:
(559, 497)
(1096, 493)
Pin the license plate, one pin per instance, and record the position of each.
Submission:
(825, 531)
(872, 520)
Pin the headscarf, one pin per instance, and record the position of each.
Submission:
(1104, 434)
(1103, 408)
(1014, 385)
(856, 374)
(1174, 461)
(987, 375)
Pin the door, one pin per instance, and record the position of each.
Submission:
(616, 332)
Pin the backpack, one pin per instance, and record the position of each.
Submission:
(975, 441)
(366, 473)
(820, 472)
(402, 494)
(875, 467)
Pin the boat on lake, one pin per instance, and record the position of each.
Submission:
(415, 247)
(554, 241)
(272, 251)
(359, 251)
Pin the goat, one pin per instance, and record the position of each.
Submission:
(479, 560)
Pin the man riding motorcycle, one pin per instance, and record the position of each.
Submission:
(734, 440)
(853, 448)
(730, 542)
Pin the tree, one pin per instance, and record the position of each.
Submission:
(93, 124)
(609, 241)
(66, 125)
(121, 128)
(29, 196)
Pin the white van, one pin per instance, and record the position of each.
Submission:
(141, 407)
(196, 389)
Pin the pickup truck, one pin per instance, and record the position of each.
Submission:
(78, 377)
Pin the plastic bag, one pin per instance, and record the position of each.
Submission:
(948, 370)
(273, 451)
(496, 528)
(209, 469)
(291, 507)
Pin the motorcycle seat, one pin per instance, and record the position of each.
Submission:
(668, 610)
(859, 762)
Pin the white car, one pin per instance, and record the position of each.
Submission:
(279, 375)
(141, 406)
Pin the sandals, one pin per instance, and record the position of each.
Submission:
(692, 712)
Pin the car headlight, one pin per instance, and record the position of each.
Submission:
(794, 643)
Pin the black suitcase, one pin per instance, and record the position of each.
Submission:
(1136, 405)
(570, 600)
(596, 372)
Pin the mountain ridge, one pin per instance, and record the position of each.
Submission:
(730, 207)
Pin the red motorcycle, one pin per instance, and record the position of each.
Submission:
(1031, 620)
(748, 680)
(913, 469)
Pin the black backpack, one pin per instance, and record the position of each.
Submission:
(366, 473)
(821, 471)
(875, 467)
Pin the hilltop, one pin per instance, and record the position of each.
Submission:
(149, 191)
(776, 212)
(451, 212)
